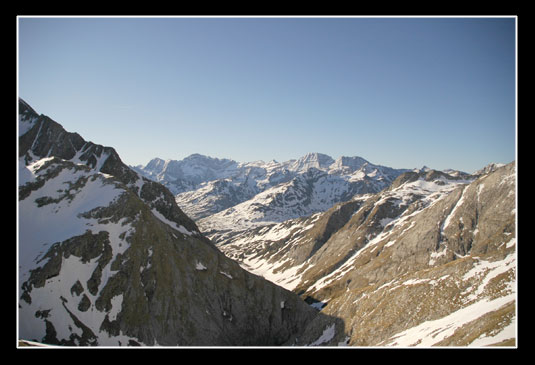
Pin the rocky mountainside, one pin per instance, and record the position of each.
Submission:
(383, 257)
(106, 257)
(271, 192)
(309, 192)
(429, 261)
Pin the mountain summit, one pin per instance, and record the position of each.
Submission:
(312, 160)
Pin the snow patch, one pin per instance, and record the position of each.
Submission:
(432, 332)
(116, 303)
(385, 221)
(486, 271)
(288, 278)
(326, 336)
(435, 255)
(447, 221)
(172, 224)
(318, 305)
(39, 227)
(511, 243)
(506, 333)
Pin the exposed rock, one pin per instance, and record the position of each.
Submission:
(111, 260)
(427, 251)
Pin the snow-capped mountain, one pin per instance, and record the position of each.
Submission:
(307, 193)
(275, 191)
(106, 257)
(383, 257)
(318, 161)
(190, 171)
(429, 261)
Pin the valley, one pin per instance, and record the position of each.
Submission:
(205, 251)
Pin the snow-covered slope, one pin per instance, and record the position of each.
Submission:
(224, 183)
(40, 137)
(302, 237)
(429, 261)
(56, 198)
(309, 192)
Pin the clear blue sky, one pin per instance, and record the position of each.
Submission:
(401, 92)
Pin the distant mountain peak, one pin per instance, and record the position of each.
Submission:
(204, 185)
(316, 156)
(349, 163)
(313, 159)
(201, 157)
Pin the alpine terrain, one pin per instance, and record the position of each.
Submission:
(224, 196)
(107, 258)
(428, 261)
(211, 252)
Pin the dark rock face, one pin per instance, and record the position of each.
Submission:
(132, 269)
(175, 289)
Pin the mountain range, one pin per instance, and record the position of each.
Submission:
(225, 197)
(212, 252)
(204, 185)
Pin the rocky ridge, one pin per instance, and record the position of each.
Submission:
(106, 257)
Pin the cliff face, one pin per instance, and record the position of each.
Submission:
(107, 258)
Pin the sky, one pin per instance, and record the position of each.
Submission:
(399, 92)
